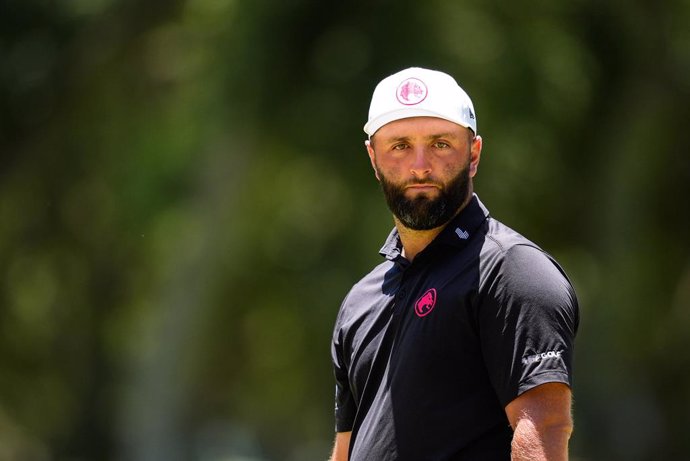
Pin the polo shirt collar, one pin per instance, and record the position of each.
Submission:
(457, 232)
(392, 249)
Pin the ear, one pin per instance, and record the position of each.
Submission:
(475, 155)
(372, 157)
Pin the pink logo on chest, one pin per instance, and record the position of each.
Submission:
(426, 303)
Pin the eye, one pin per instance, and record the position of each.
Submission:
(399, 146)
(441, 145)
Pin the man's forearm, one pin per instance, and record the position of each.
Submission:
(341, 447)
(532, 443)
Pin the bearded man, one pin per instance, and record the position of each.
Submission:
(459, 345)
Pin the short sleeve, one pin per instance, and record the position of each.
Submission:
(528, 318)
(345, 407)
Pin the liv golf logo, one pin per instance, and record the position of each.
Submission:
(543, 356)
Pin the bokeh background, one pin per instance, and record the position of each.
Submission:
(185, 199)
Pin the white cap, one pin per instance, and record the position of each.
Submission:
(417, 92)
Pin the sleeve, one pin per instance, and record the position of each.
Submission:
(345, 407)
(527, 320)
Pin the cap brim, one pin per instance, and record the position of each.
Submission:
(372, 126)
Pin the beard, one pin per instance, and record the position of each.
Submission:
(423, 212)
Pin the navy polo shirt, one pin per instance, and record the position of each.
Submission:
(428, 354)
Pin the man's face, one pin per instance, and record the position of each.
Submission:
(425, 166)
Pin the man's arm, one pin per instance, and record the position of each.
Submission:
(341, 447)
(542, 423)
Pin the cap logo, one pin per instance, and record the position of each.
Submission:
(411, 91)
(426, 303)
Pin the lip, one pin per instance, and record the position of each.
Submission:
(422, 187)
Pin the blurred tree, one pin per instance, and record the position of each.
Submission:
(185, 200)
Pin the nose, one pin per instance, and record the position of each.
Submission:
(421, 167)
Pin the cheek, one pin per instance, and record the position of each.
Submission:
(389, 171)
(450, 170)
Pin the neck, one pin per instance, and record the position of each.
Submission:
(414, 241)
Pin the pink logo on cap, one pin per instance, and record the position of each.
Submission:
(426, 303)
(412, 91)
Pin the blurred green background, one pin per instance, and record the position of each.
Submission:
(185, 199)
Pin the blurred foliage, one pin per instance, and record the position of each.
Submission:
(185, 199)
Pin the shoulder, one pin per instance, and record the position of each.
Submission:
(501, 238)
(363, 295)
(510, 261)
(376, 281)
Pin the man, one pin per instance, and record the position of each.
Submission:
(459, 346)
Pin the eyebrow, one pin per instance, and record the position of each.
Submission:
(428, 138)
(443, 135)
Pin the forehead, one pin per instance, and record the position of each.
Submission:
(420, 127)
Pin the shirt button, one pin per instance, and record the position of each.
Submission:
(402, 292)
